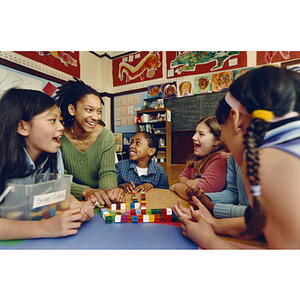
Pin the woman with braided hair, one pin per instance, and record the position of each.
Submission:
(88, 148)
(260, 124)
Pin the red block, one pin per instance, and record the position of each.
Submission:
(140, 219)
(163, 218)
(143, 211)
(46, 214)
(168, 218)
(129, 219)
(133, 212)
(163, 211)
(156, 218)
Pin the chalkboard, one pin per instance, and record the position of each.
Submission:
(187, 111)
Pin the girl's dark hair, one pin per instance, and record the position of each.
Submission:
(15, 105)
(214, 127)
(268, 88)
(152, 141)
(70, 93)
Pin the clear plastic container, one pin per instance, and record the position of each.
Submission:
(36, 197)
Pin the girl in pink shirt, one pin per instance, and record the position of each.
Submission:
(206, 167)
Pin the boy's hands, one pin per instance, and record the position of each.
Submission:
(130, 188)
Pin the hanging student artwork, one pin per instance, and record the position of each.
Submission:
(137, 67)
(269, 57)
(64, 61)
(184, 63)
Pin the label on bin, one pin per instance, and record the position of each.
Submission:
(48, 199)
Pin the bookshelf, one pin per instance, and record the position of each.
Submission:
(158, 122)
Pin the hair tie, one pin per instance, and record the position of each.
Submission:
(256, 190)
(263, 114)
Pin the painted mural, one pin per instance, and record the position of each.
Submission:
(185, 63)
(137, 67)
(268, 57)
(64, 61)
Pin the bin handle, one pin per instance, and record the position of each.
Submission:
(7, 190)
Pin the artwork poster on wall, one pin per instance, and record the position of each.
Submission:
(187, 63)
(64, 61)
(137, 67)
(269, 57)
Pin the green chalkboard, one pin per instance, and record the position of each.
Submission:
(187, 111)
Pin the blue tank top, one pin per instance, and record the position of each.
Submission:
(285, 136)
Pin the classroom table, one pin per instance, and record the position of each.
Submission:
(97, 234)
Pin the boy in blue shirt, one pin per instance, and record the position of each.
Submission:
(140, 173)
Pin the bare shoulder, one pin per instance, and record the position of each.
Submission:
(280, 176)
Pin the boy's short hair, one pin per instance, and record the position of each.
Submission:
(152, 141)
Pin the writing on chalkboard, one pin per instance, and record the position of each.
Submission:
(187, 111)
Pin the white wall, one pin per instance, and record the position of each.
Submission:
(95, 71)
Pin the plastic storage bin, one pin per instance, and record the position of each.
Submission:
(36, 197)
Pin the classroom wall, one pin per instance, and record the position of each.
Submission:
(95, 71)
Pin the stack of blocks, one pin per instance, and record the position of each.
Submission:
(40, 213)
(131, 213)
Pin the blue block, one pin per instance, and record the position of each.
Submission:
(134, 219)
(138, 211)
(52, 212)
(131, 205)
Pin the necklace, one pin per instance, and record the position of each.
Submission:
(80, 142)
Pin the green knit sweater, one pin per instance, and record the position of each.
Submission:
(94, 168)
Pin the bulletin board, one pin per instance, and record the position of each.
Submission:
(11, 77)
(126, 107)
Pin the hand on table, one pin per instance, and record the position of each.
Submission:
(197, 192)
(87, 210)
(196, 225)
(97, 196)
(130, 188)
(63, 224)
(116, 195)
(145, 187)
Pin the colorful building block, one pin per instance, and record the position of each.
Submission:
(156, 218)
(105, 214)
(169, 211)
(64, 206)
(15, 215)
(46, 214)
(118, 218)
(134, 219)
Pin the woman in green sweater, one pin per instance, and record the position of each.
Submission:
(88, 148)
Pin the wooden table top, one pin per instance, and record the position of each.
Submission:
(162, 198)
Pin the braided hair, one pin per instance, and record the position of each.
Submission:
(70, 93)
(152, 141)
(268, 88)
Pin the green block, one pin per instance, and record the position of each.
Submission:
(109, 219)
(149, 211)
